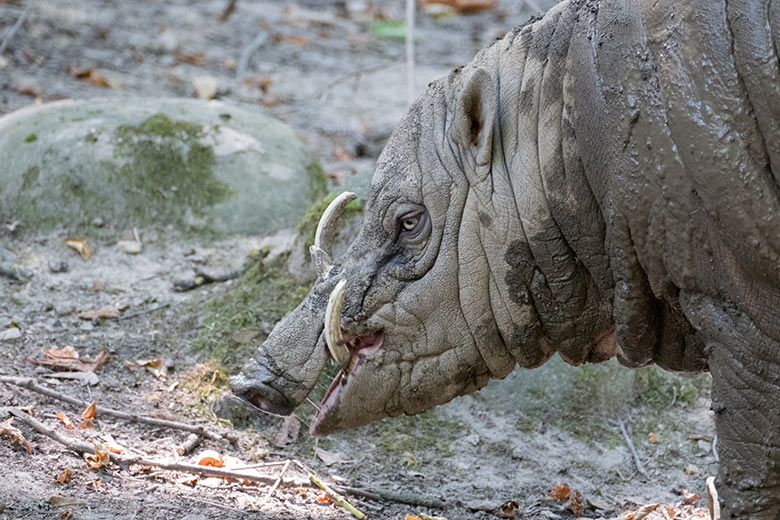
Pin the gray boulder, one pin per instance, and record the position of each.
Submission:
(194, 165)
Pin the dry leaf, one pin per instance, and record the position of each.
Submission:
(66, 501)
(642, 512)
(288, 432)
(193, 58)
(29, 90)
(575, 503)
(508, 509)
(100, 458)
(64, 418)
(689, 498)
(66, 358)
(330, 457)
(156, 362)
(211, 458)
(81, 246)
(652, 438)
(88, 415)
(85, 378)
(103, 313)
(65, 476)
(12, 432)
(111, 445)
(560, 492)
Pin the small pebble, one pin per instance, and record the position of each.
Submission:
(58, 267)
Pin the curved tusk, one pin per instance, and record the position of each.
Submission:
(335, 341)
(321, 251)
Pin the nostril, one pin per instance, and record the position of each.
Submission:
(258, 399)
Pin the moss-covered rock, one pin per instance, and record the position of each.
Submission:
(194, 165)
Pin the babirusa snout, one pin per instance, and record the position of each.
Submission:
(322, 250)
(333, 337)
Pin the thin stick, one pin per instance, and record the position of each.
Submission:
(190, 444)
(638, 462)
(81, 448)
(335, 496)
(246, 54)
(30, 384)
(144, 311)
(228, 11)
(381, 495)
(278, 480)
(409, 44)
(10, 34)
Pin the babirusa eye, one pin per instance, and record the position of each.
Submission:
(409, 223)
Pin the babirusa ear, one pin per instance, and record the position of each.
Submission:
(475, 113)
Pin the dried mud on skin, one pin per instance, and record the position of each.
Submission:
(342, 90)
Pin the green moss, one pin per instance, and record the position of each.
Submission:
(167, 171)
(29, 138)
(30, 177)
(261, 297)
(318, 179)
(308, 225)
(657, 387)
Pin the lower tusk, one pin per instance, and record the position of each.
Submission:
(333, 338)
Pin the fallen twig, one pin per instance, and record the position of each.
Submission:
(637, 462)
(229, 8)
(278, 481)
(82, 448)
(246, 54)
(144, 311)
(188, 445)
(203, 278)
(381, 495)
(30, 384)
(10, 33)
(330, 492)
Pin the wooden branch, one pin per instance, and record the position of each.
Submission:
(340, 500)
(202, 278)
(10, 33)
(30, 384)
(188, 445)
(639, 467)
(278, 481)
(82, 448)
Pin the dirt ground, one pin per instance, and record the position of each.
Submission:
(318, 67)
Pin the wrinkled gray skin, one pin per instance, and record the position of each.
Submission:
(604, 181)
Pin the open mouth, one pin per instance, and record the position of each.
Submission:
(358, 348)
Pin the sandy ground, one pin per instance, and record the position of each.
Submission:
(319, 69)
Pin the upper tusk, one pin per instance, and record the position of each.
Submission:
(322, 250)
(333, 338)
